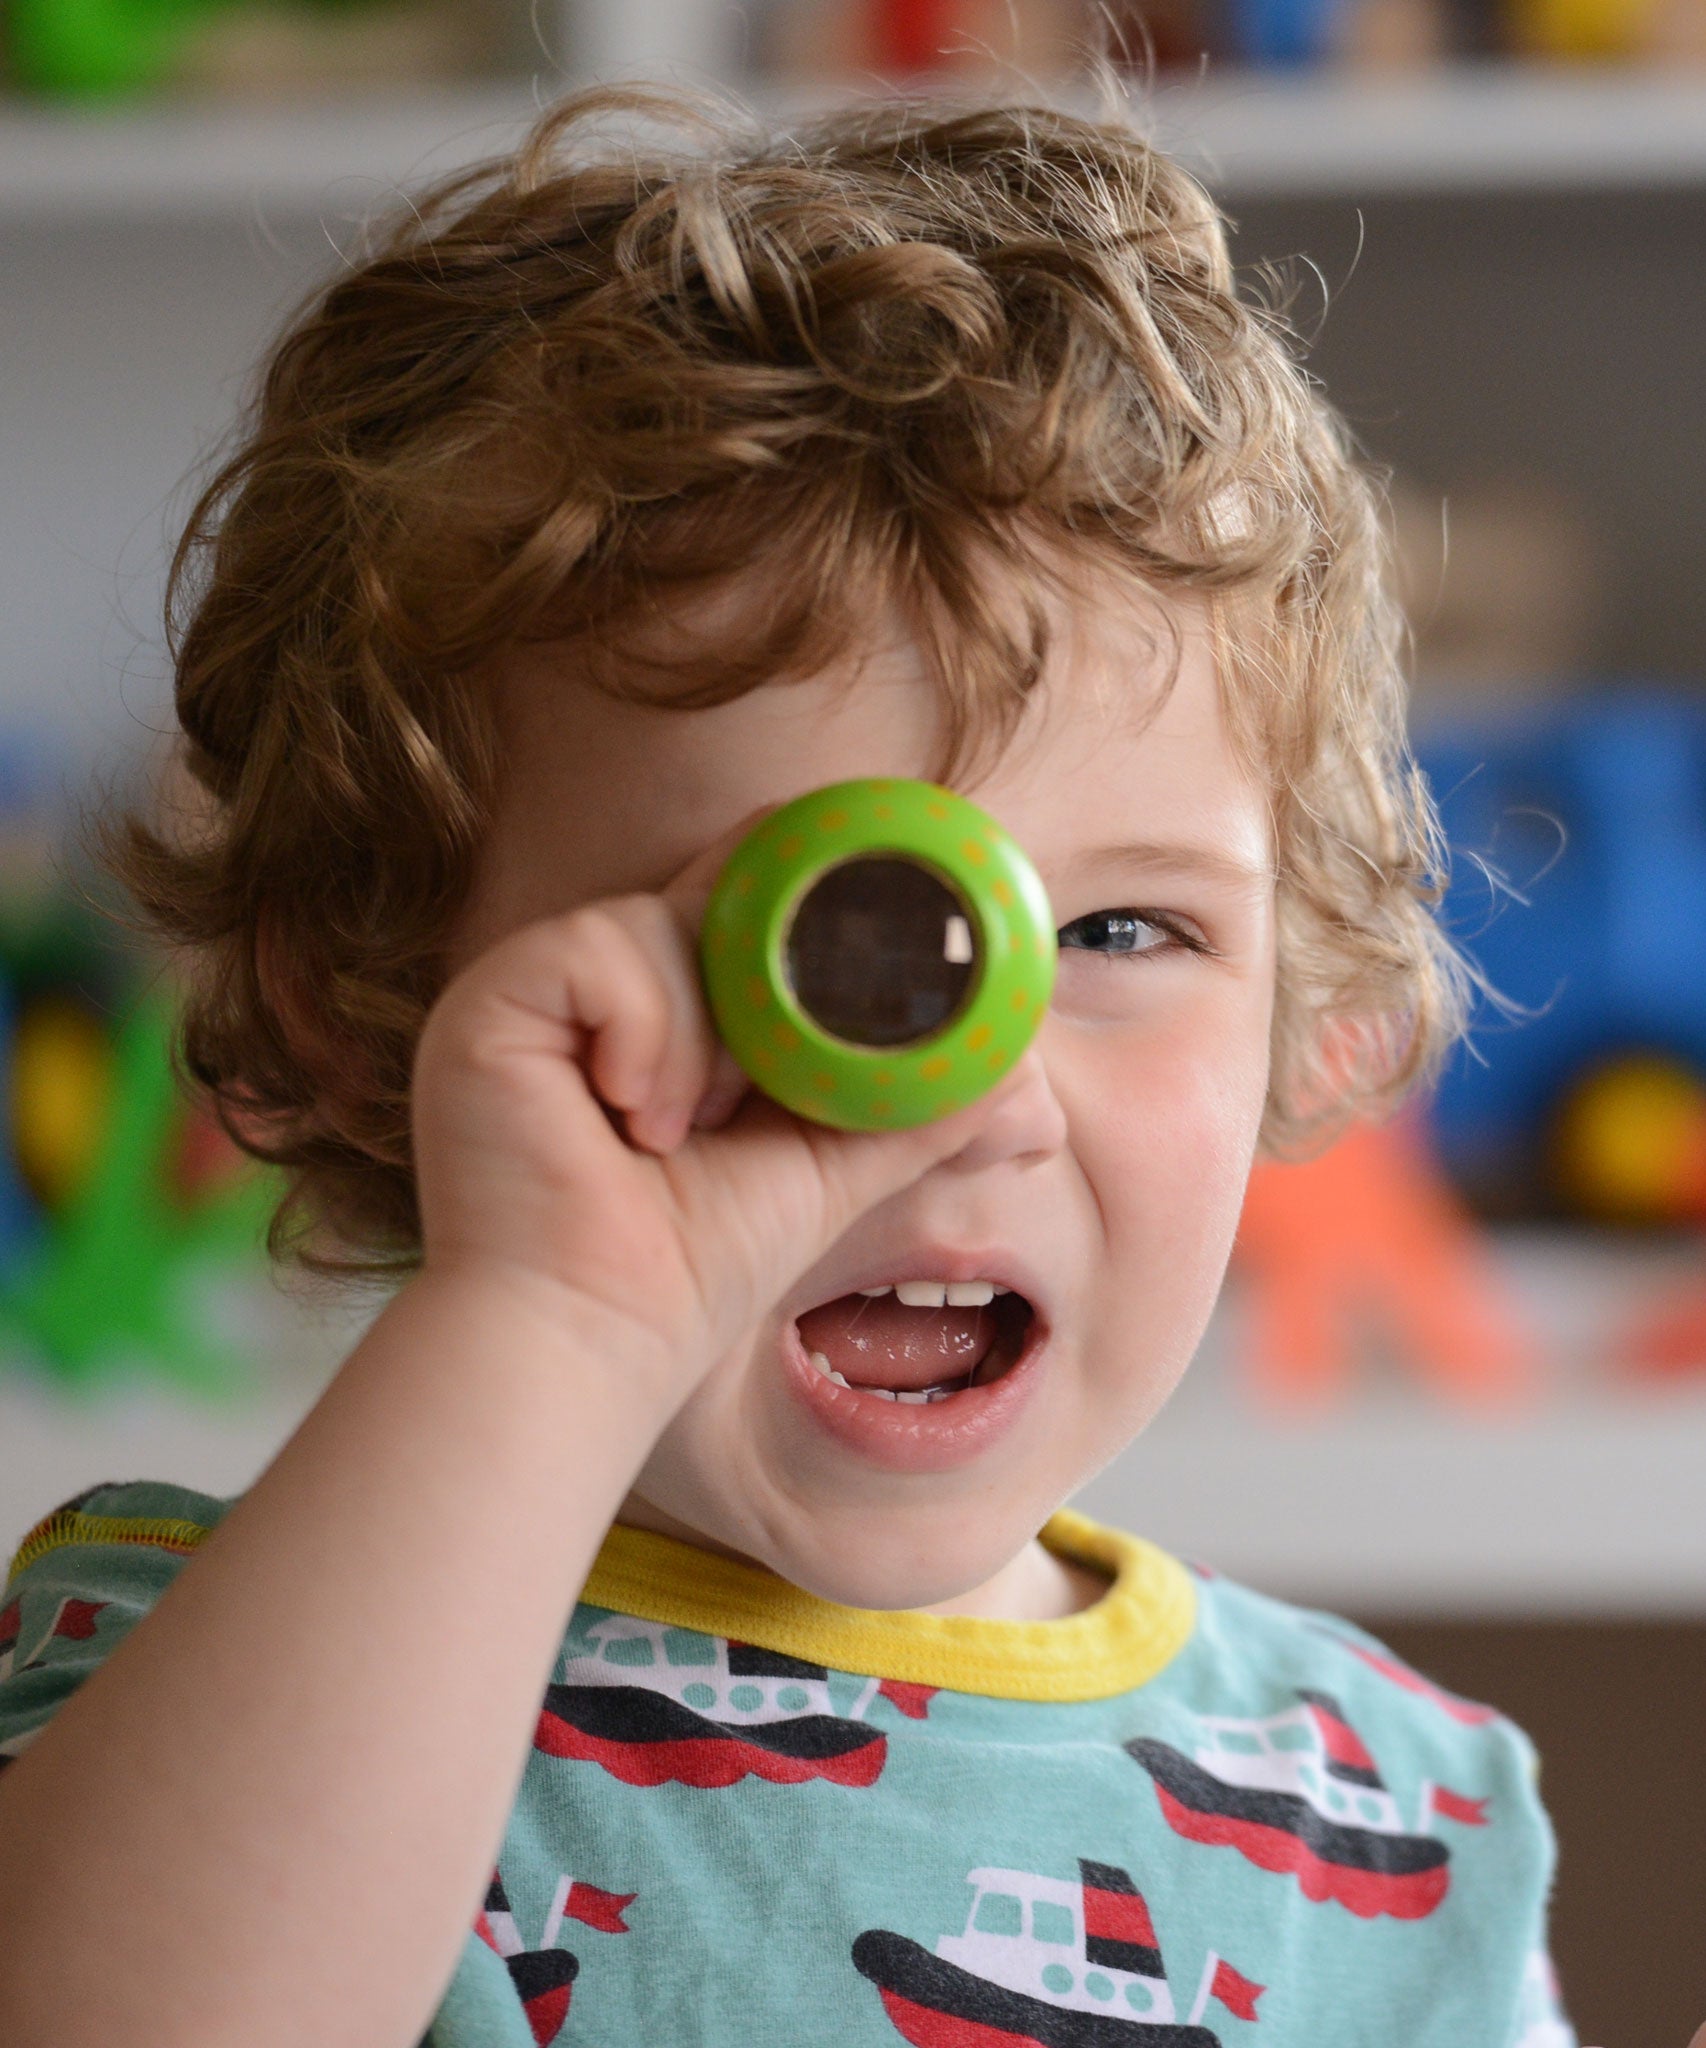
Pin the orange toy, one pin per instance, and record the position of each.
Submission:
(1670, 1344)
(1369, 1232)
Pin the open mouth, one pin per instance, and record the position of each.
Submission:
(918, 1342)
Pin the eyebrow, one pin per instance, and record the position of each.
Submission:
(1205, 863)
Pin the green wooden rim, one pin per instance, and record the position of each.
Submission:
(785, 1051)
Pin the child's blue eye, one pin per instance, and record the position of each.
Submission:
(1124, 931)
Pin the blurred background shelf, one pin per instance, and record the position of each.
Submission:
(1591, 1502)
(1490, 127)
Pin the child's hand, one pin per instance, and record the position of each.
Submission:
(576, 1125)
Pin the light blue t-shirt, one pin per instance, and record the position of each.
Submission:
(1187, 1816)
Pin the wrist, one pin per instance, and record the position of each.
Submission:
(518, 1319)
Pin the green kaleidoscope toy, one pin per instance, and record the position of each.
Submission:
(878, 954)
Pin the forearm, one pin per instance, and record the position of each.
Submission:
(269, 1817)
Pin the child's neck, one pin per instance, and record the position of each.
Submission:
(1034, 1586)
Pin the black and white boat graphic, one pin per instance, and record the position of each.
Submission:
(656, 1705)
(1298, 1793)
(1045, 1962)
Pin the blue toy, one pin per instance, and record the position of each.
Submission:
(1593, 812)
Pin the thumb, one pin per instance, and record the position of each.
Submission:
(687, 893)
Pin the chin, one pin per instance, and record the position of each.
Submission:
(892, 1573)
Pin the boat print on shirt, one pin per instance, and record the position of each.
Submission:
(73, 1620)
(1298, 1793)
(1539, 2013)
(1395, 1671)
(654, 1706)
(544, 1977)
(1045, 1962)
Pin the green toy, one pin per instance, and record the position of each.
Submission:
(92, 49)
(878, 953)
(111, 1286)
(110, 49)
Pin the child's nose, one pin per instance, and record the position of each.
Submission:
(1027, 1125)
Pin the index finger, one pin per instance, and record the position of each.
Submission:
(688, 891)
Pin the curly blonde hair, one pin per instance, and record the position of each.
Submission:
(892, 348)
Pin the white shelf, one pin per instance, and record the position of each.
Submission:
(1594, 1503)
(1468, 129)
(1464, 129)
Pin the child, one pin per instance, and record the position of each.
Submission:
(612, 501)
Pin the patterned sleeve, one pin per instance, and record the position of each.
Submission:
(1482, 1788)
(81, 1580)
(1540, 2020)
(1415, 1810)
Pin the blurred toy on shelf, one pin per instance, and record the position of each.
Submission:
(1369, 1242)
(1601, 31)
(1669, 1341)
(124, 1213)
(115, 49)
(908, 40)
(1578, 830)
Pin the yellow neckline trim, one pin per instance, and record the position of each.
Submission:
(1133, 1632)
(67, 1525)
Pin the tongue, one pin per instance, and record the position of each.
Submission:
(881, 1343)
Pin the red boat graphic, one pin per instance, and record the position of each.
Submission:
(654, 1705)
(1297, 1793)
(1044, 1963)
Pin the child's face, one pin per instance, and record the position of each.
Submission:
(1107, 1192)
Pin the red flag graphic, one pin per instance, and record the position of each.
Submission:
(1471, 1812)
(912, 1700)
(599, 1909)
(1235, 1992)
(76, 1619)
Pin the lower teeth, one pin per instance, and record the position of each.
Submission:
(912, 1397)
(916, 1396)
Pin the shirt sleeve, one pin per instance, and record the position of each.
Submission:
(81, 1580)
(1540, 2019)
(1481, 1775)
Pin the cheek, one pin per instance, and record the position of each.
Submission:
(1166, 1133)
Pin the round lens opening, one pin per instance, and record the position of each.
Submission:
(881, 952)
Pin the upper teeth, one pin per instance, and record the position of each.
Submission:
(941, 1293)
